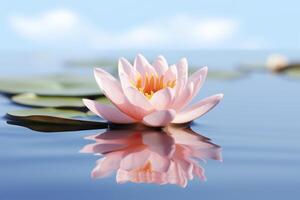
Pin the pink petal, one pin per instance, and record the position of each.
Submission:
(143, 66)
(125, 80)
(198, 79)
(171, 73)
(125, 67)
(160, 65)
(162, 99)
(185, 95)
(110, 86)
(198, 109)
(182, 73)
(108, 112)
(113, 90)
(159, 118)
(140, 102)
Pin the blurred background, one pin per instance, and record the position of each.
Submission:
(220, 34)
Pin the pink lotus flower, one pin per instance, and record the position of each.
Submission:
(153, 156)
(155, 95)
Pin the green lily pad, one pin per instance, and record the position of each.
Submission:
(291, 70)
(30, 99)
(53, 116)
(293, 73)
(42, 127)
(252, 67)
(52, 85)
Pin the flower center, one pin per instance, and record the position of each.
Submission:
(148, 85)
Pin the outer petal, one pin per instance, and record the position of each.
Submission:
(160, 65)
(198, 79)
(108, 112)
(143, 66)
(162, 99)
(159, 118)
(198, 109)
(110, 86)
(113, 90)
(185, 95)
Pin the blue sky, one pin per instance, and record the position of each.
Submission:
(198, 24)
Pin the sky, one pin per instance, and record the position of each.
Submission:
(155, 24)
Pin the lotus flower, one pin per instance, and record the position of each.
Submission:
(152, 156)
(155, 95)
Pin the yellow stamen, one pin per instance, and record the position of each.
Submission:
(149, 84)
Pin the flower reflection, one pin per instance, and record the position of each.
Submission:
(168, 156)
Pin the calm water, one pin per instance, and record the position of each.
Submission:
(256, 125)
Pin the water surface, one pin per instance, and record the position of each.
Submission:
(256, 124)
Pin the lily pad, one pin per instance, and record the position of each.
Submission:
(42, 127)
(30, 99)
(52, 85)
(293, 73)
(53, 116)
(252, 67)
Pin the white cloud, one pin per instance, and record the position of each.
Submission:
(176, 32)
(51, 24)
(214, 30)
